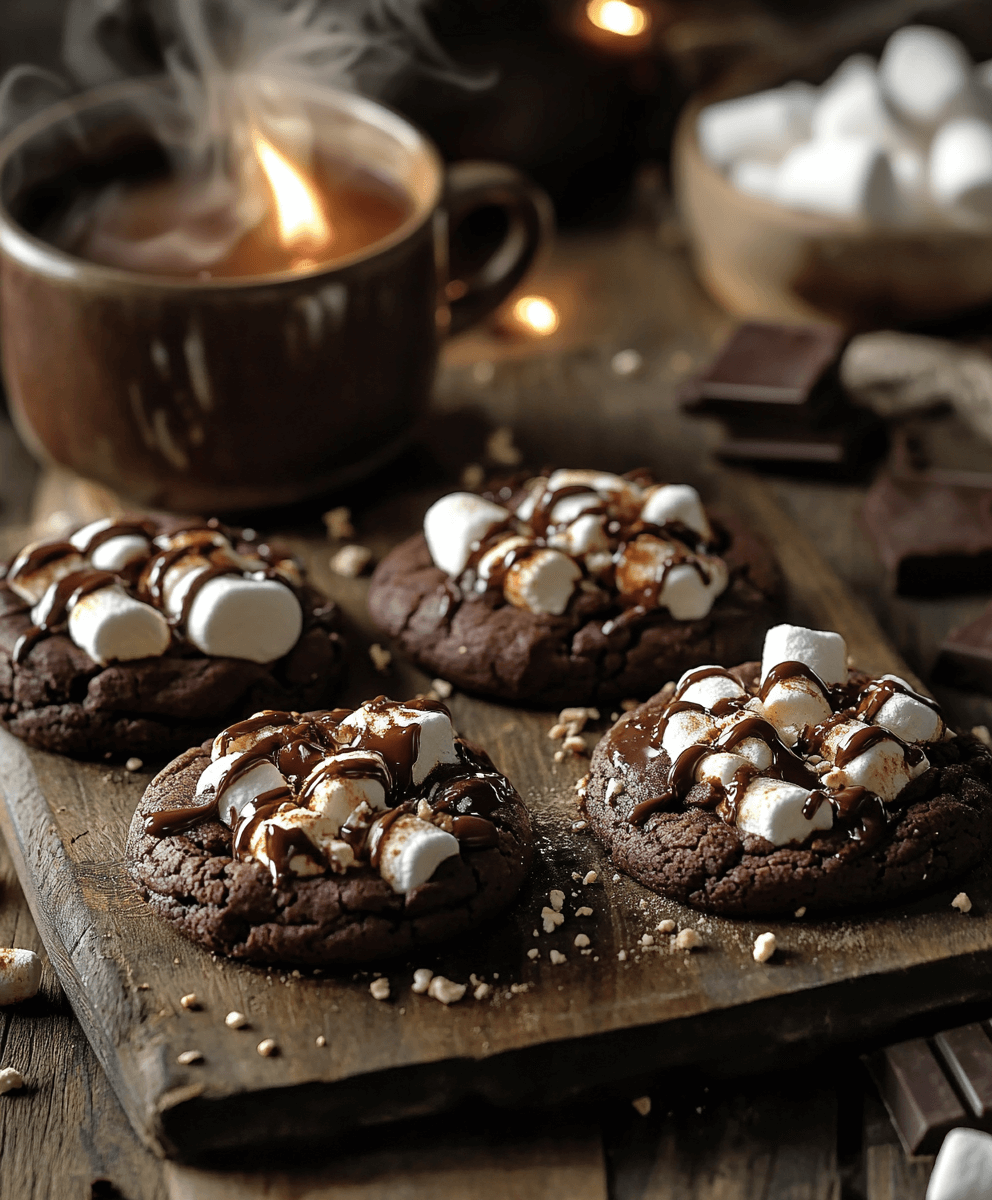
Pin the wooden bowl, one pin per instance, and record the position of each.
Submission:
(766, 262)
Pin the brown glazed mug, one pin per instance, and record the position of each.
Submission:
(221, 394)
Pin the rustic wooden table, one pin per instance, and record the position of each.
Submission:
(818, 1132)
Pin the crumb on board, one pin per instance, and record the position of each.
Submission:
(267, 1048)
(379, 989)
(380, 656)
(557, 957)
(557, 898)
(584, 911)
(533, 952)
(337, 521)
(133, 764)
(589, 878)
(445, 990)
(482, 990)
(688, 939)
(764, 947)
(11, 1080)
(551, 918)
(190, 1000)
(800, 912)
(189, 1057)
(236, 1020)
(350, 561)
(666, 926)
(642, 1104)
(962, 902)
(320, 1040)
(422, 980)
(581, 940)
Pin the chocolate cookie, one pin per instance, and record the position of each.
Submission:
(330, 837)
(766, 789)
(583, 587)
(139, 636)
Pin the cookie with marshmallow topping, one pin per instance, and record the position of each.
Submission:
(330, 836)
(793, 782)
(580, 586)
(134, 635)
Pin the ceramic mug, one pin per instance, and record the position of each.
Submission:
(220, 394)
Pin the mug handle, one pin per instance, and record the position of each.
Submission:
(530, 224)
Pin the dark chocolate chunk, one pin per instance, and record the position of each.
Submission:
(965, 658)
(967, 1054)
(934, 540)
(851, 440)
(921, 1101)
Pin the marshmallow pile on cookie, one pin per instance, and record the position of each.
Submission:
(119, 591)
(578, 529)
(819, 723)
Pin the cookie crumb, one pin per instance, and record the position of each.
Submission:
(267, 1048)
(189, 1057)
(338, 524)
(642, 1104)
(962, 902)
(379, 989)
(236, 1020)
(556, 732)
(584, 911)
(557, 899)
(11, 1080)
(688, 939)
(380, 656)
(576, 745)
(582, 786)
(320, 1040)
(445, 990)
(482, 991)
(800, 912)
(764, 947)
(622, 956)
(441, 688)
(422, 980)
(589, 877)
(551, 918)
(133, 764)
(533, 952)
(350, 561)
(647, 939)
(666, 926)
(581, 940)
(190, 1000)
(557, 957)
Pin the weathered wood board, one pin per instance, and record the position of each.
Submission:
(546, 1032)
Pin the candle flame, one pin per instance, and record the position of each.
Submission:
(537, 313)
(617, 16)
(300, 218)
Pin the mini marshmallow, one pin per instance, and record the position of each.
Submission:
(881, 769)
(839, 177)
(115, 553)
(234, 746)
(604, 483)
(908, 718)
(303, 862)
(255, 619)
(112, 626)
(794, 703)
(773, 809)
(456, 524)
(584, 535)
(494, 558)
(711, 688)
(961, 167)
(823, 652)
(762, 125)
(568, 508)
(542, 583)
(720, 768)
(335, 797)
(20, 975)
(33, 585)
(754, 177)
(686, 729)
(755, 749)
(686, 595)
(677, 502)
(963, 1170)
(264, 777)
(435, 735)
(411, 851)
(922, 70)
(851, 103)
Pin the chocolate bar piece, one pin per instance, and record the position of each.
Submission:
(933, 539)
(769, 369)
(965, 658)
(853, 440)
(931, 1086)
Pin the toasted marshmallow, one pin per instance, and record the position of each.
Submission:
(720, 768)
(605, 484)
(839, 177)
(585, 535)
(773, 809)
(961, 167)
(115, 553)
(335, 797)
(411, 851)
(685, 729)
(496, 556)
(542, 583)
(687, 595)
(824, 653)
(456, 524)
(264, 777)
(238, 745)
(568, 508)
(907, 718)
(303, 862)
(711, 688)
(922, 71)
(31, 586)
(112, 626)
(755, 749)
(20, 975)
(763, 125)
(676, 502)
(431, 727)
(256, 619)
(794, 703)
(881, 769)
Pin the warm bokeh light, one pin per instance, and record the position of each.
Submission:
(617, 16)
(537, 313)
(299, 215)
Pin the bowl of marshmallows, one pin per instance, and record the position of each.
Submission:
(866, 200)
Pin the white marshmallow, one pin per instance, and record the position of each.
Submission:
(535, 489)
(33, 586)
(411, 851)
(583, 536)
(762, 125)
(823, 652)
(568, 508)
(20, 975)
(794, 703)
(907, 718)
(542, 583)
(881, 769)
(436, 737)
(494, 558)
(922, 71)
(677, 502)
(720, 768)
(773, 809)
(755, 177)
(963, 1170)
(256, 619)
(112, 626)
(264, 777)
(686, 729)
(711, 688)
(456, 524)
(335, 797)
(604, 483)
(115, 553)
(961, 167)
(839, 177)
(686, 595)
(851, 103)
(755, 749)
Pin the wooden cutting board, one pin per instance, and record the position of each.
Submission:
(545, 1032)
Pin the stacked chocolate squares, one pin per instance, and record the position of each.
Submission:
(776, 391)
